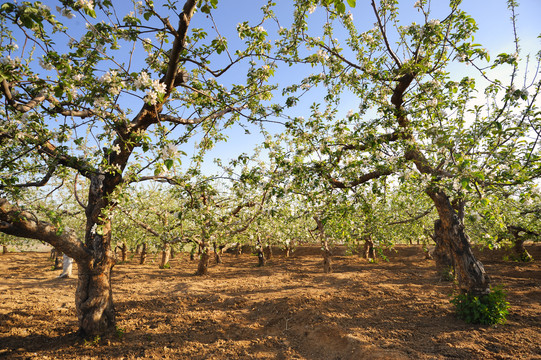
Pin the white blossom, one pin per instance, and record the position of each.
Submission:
(322, 54)
(312, 9)
(417, 4)
(45, 65)
(142, 81)
(151, 97)
(158, 86)
(85, 4)
(350, 113)
(434, 22)
(169, 151)
(116, 148)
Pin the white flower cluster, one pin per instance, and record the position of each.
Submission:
(45, 65)
(85, 4)
(312, 9)
(116, 148)
(322, 55)
(169, 151)
(8, 60)
(154, 88)
(434, 22)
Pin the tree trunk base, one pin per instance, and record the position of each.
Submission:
(94, 300)
(203, 266)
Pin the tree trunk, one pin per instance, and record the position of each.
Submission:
(4, 249)
(166, 254)
(138, 249)
(470, 273)
(327, 258)
(442, 254)
(520, 252)
(368, 251)
(203, 266)
(124, 252)
(268, 252)
(238, 250)
(94, 298)
(143, 258)
(260, 254)
(58, 260)
(217, 254)
(326, 252)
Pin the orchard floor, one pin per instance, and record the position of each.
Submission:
(288, 309)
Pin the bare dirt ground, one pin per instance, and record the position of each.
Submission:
(286, 310)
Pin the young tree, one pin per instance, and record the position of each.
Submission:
(69, 103)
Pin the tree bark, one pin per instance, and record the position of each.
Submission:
(470, 272)
(520, 252)
(217, 253)
(94, 298)
(4, 249)
(143, 257)
(260, 254)
(368, 251)
(442, 254)
(166, 254)
(138, 249)
(326, 252)
(268, 252)
(203, 265)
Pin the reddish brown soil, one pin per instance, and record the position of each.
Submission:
(286, 310)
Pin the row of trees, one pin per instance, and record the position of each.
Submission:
(83, 111)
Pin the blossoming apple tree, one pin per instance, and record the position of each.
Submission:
(111, 100)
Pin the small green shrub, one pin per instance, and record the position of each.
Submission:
(487, 309)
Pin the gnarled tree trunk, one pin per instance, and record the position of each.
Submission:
(470, 272)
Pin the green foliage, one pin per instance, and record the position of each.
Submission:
(487, 309)
(120, 332)
(92, 342)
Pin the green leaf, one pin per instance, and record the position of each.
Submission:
(169, 163)
(352, 3)
(340, 7)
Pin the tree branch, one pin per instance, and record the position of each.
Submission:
(19, 222)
